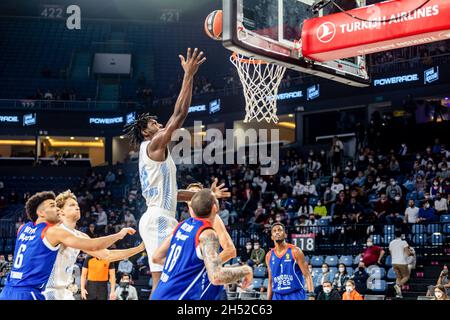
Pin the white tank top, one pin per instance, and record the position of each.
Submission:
(158, 180)
(62, 273)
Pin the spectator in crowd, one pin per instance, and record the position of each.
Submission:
(258, 255)
(125, 291)
(360, 277)
(110, 178)
(245, 253)
(372, 254)
(224, 214)
(350, 292)
(340, 279)
(142, 263)
(337, 151)
(3, 264)
(325, 276)
(320, 210)
(310, 189)
(393, 190)
(411, 213)
(440, 293)
(305, 208)
(125, 267)
(443, 280)
(328, 292)
(427, 213)
(94, 279)
(395, 210)
(382, 207)
(129, 218)
(298, 189)
(440, 205)
(102, 221)
(336, 186)
(91, 231)
(400, 251)
(329, 197)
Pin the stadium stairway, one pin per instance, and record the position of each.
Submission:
(108, 90)
(81, 64)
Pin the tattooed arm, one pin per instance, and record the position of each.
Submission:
(217, 274)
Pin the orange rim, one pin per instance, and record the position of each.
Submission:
(235, 56)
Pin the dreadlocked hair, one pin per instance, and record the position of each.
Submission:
(133, 131)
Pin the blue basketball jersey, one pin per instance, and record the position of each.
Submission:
(184, 275)
(286, 274)
(34, 258)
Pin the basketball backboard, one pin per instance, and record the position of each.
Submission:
(271, 30)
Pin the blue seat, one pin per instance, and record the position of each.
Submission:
(332, 261)
(356, 260)
(389, 229)
(323, 222)
(376, 272)
(350, 271)
(377, 285)
(418, 229)
(316, 272)
(257, 283)
(373, 197)
(391, 274)
(313, 201)
(446, 228)
(234, 261)
(260, 272)
(307, 259)
(346, 260)
(333, 271)
(388, 238)
(437, 239)
(445, 218)
(420, 195)
(376, 238)
(433, 228)
(316, 261)
(266, 283)
(388, 261)
(419, 239)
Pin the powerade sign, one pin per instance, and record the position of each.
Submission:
(9, 119)
(313, 92)
(198, 108)
(396, 80)
(106, 121)
(214, 106)
(131, 117)
(29, 119)
(289, 95)
(431, 75)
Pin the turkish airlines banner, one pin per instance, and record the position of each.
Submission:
(391, 25)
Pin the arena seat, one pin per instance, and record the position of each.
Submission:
(257, 282)
(350, 271)
(419, 239)
(445, 218)
(266, 283)
(346, 260)
(388, 238)
(316, 261)
(418, 229)
(356, 260)
(323, 222)
(389, 229)
(376, 272)
(433, 228)
(447, 228)
(374, 297)
(260, 272)
(424, 298)
(391, 274)
(248, 296)
(332, 261)
(437, 239)
(377, 240)
(376, 285)
(388, 261)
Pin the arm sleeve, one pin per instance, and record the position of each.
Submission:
(86, 262)
(112, 266)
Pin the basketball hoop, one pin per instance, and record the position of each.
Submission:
(260, 82)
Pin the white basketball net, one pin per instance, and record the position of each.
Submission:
(260, 82)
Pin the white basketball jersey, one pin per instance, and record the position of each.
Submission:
(62, 273)
(158, 180)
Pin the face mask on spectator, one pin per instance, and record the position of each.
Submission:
(378, 179)
(324, 270)
(397, 198)
(278, 219)
(341, 269)
(256, 246)
(249, 247)
(427, 197)
(418, 157)
(348, 288)
(361, 269)
(308, 183)
(361, 158)
(393, 183)
(427, 205)
(327, 290)
(436, 183)
(322, 152)
(438, 294)
(10, 258)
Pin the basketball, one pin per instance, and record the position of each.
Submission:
(213, 25)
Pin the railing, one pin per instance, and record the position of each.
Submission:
(31, 105)
(350, 239)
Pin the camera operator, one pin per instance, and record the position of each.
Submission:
(125, 291)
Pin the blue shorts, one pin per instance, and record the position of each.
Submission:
(296, 295)
(21, 293)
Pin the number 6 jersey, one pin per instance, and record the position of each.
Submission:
(184, 275)
(34, 257)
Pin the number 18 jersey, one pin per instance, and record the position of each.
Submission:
(184, 275)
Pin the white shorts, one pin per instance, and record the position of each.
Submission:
(58, 294)
(155, 226)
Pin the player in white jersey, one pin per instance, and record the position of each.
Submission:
(61, 277)
(157, 169)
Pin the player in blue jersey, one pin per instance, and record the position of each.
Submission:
(228, 250)
(193, 262)
(37, 246)
(288, 270)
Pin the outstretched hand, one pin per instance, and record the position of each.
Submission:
(220, 191)
(192, 61)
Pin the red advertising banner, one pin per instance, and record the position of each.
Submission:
(389, 25)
